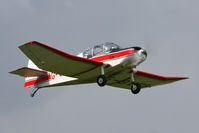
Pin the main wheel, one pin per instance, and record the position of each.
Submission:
(101, 80)
(135, 88)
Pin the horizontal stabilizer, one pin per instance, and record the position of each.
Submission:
(28, 72)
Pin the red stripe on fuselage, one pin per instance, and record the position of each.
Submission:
(37, 81)
(113, 55)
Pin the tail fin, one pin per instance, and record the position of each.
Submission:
(33, 75)
(34, 80)
(33, 66)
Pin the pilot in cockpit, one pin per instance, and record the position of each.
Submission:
(111, 47)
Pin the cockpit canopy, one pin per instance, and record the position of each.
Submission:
(101, 50)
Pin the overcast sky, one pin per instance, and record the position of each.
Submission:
(169, 31)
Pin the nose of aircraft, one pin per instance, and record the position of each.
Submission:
(137, 48)
(144, 52)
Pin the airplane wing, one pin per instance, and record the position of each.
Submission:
(56, 61)
(29, 72)
(123, 79)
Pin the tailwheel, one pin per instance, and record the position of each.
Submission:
(34, 91)
(101, 80)
(135, 88)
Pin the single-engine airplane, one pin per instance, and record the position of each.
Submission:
(106, 64)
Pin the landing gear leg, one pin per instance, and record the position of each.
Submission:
(34, 91)
(136, 87)
(101, 80)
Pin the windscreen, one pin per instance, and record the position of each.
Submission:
(101, 49)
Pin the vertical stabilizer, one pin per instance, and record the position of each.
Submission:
(33, 66)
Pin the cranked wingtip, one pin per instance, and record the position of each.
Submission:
(29, 42)
(181, 78)
(185, 77)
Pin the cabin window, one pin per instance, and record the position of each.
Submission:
(98, 50)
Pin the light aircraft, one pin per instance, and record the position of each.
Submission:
(106, 64)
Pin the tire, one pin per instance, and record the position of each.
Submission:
(135, 88)
(101, 80)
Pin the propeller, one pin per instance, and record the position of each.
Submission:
(150, 46)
